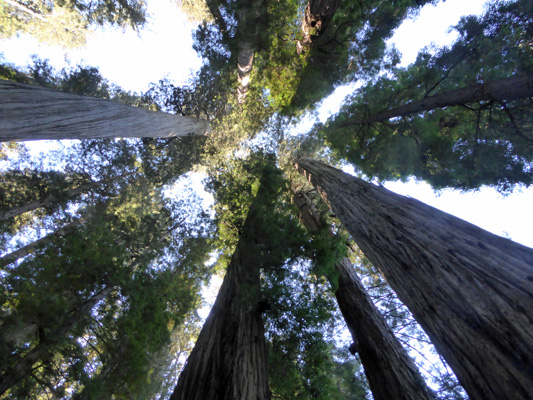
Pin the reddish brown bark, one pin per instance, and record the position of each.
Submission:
(228, 361)
(470, 290)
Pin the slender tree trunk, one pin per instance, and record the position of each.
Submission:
(515, 87)
(391, 373)
(22, 367)
(49, 200)
(470, 290)
(31, 247)
(228, 361)
(32, 113)
(248, 18)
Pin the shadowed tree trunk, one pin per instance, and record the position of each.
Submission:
(53, 198)
(228, 361)
(31, 247)
(31, 113)
(318, 15)
(515, 87)
(470, 290)
(391, 373)
(22, 367)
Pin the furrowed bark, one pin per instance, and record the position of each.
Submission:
(31, 247)
(228, 361)
(470, 290)
(317, 17)
(22, 367)
(391, 373)
(33, 113)
(515, 87)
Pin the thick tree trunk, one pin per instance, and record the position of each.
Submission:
(49, 200)
(31, 247)
(515, 87)
(228, 361)
(22, 367)
(317, 17)
(391, 373)
(470, 290)
(31, 113)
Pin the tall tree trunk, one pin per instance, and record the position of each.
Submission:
(22, 367)
(470, 290)
(49, 200)
(228, 361)
(515, 87)
(31, 247)
(248, 22)
(31, 113)
(391, 373)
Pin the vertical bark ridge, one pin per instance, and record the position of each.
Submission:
(470, 290)
(228, 361)
(391, 373)
(34, 113)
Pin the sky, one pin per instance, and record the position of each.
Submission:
(164, 49)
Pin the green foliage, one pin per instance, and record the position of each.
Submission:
(486, 143)
(195, 10)
(304, 362)
(150, 268)
(67, 22)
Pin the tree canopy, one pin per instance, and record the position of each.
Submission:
(107, 250)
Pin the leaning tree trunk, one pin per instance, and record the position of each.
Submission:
(31, 113)
(470, 290)
(515, 87)
(391, 373)
(228, 361)
(22, 366)
(54, 198)
(31, 247)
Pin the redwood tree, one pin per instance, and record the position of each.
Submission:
(391, 373)
(31, 113)
(470, 290)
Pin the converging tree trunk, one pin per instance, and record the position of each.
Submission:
(228, 361)
(391, 373)
(32, 113)
(470, 290)
(31, 247)
(515, 87)
(54, 198)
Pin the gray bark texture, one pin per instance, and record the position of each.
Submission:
(391, 373)
(22, 365)
(228, 361)
(515, 87)
(470, 290)
(33, 113)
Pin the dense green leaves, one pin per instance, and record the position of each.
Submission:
(482, 143)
